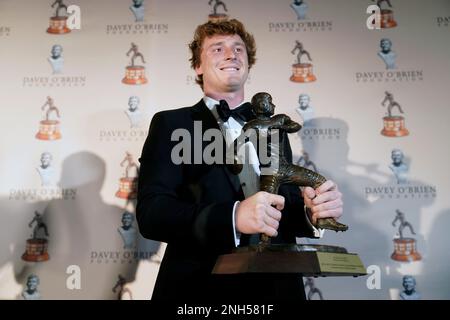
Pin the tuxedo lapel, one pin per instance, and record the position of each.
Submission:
(202, 113)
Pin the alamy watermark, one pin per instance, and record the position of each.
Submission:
(189, 149)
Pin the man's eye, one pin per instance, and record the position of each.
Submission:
(239, 50)
(217, 50)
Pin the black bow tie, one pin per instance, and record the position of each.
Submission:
(244, 112)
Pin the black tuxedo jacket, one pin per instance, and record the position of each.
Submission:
(189, 206)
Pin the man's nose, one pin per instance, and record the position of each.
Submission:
(230, 54)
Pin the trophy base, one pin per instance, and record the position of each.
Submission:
(48, 130)
(405, 250)
(135, 75)
(58, 25)
(309, 260)
(36, 250)
(217, 17)
(394, 127)
(127, 188)
(387, 19)
(302, 72)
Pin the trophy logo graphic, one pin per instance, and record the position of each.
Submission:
(300, 7)
(405, 249)
(135, 74)
(49, 127)
(56, 60)
(309, 283)
(398, 166)
(36, 247)
(133, 112)
(45, 170)
(387, 15)
(138, 10)
(127, 231)
(32, 292)
(394, 126)
(214, 16)
(120, 288)
(409, 289)
(386, 54)
(302, 72)
(58, 23)
(304, 109)
(128, 184)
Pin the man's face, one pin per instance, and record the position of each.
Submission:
(133, 103)
(56, 51)
(137, 3)
(46, 159)
(408, 284)
(224, 64)
(385, 45)
(397, 157)
(303, 101)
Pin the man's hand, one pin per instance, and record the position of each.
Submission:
(256, 214)
(324, 202)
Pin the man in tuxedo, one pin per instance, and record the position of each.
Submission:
(202, 210)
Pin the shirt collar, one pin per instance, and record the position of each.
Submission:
(211, 105)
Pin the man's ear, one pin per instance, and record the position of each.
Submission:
(199, 70)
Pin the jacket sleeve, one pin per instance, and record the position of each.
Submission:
(162, 215)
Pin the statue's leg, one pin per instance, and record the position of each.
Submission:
(268, 183)
(399, 107)
(320, 294)
(307, 178)
(45, 229)
(142, 57)
(410, 227)
(303, 177)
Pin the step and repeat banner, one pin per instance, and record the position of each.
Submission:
(81, 80)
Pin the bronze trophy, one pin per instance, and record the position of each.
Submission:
(309, 260)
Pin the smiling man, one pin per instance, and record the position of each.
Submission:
(203, 210)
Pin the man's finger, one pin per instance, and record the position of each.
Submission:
(271, 232)
(326, 186)
(309, 192)
(327, 196)
(273, 213)
(327, 206)
(275, 200)
(333, 213)
(271, 222)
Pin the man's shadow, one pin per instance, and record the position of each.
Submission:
(370, 231)
(434, 282)
(80, 227)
